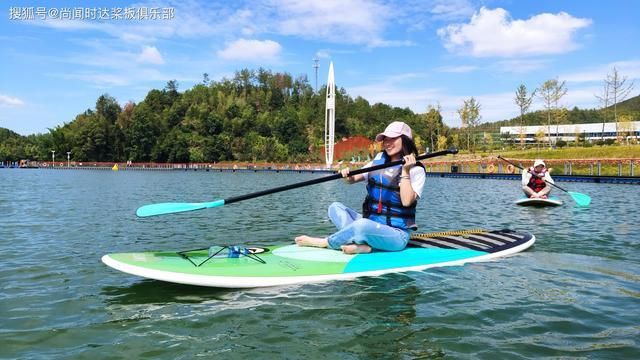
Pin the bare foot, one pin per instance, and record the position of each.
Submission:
(304, 240)
(356, 249)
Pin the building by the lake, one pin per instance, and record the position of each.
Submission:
(569, 132)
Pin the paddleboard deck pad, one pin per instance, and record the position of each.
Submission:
(240, 267)
(552, 201)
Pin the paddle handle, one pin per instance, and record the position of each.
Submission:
(334, 177)
(519, 167)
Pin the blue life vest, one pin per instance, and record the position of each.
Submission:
(383, 203)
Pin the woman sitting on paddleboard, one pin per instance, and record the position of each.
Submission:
(390, 206)
(534, 180)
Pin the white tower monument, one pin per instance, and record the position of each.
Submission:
(330, 118)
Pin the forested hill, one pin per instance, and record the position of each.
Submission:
(256, 115)
(10, 142)
(629, 107)
(6, 135)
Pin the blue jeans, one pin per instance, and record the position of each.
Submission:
(354, 229)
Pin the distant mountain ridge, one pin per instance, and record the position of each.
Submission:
(632, 104)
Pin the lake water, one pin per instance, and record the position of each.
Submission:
(575, 294)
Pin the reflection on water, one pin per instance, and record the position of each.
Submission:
(154, 292)
(575, 294)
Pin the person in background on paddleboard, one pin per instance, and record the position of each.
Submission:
(534, 180)
(390, 206)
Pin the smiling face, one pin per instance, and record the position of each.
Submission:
(393, 147)
(539, 168)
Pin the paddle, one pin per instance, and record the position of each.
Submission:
(170, 208)
(579, 198)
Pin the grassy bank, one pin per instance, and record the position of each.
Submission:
(595, 152)
(572, 153)
(574, 160)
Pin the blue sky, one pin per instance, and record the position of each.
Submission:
(404, 53)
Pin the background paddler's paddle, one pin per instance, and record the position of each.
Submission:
(579, 198)
(170, 208)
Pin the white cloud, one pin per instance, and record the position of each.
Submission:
(457, 69)
(192, 19)
(356, 22)
(10, 101)
(353, 22)
(630, 69)
(391, 91)
(150, 55)
(67, 25)
(323, 54)
(360, 22)
(394, 91)
(451, 9)
(494, 33)
(582, 97)
(420, 15)
(253, 50)
(99, 79)
(126, 77)
(521, 65)
(389, 43)
(494, 107)
(414, 99)
(133, 38)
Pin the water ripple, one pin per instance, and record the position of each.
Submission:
(576, 294)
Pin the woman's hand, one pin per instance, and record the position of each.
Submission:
(345, 175)
(409, 162)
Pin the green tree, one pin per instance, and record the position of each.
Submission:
(551, 91)
(433, 123)
(619, 88)
(108, 107)
(470, 116)
(142, 134)
(523, 100)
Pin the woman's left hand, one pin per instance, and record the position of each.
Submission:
(409, 162)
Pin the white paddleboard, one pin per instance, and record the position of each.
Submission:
(552, 201)
(292, 264)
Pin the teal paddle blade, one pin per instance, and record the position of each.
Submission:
(171, 208)
(580, 199)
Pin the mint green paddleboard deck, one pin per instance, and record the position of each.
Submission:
(292, 264)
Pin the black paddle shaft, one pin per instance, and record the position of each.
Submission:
(519, 167)
(334, 177)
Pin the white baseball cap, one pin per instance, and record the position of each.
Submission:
(539, 162)
(395, 129)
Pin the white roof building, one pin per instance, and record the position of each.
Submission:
(568, 132)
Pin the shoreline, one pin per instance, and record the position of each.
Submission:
(619, 171)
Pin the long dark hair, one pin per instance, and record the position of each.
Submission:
(408, 146)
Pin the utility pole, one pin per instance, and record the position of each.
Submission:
(316, 66)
